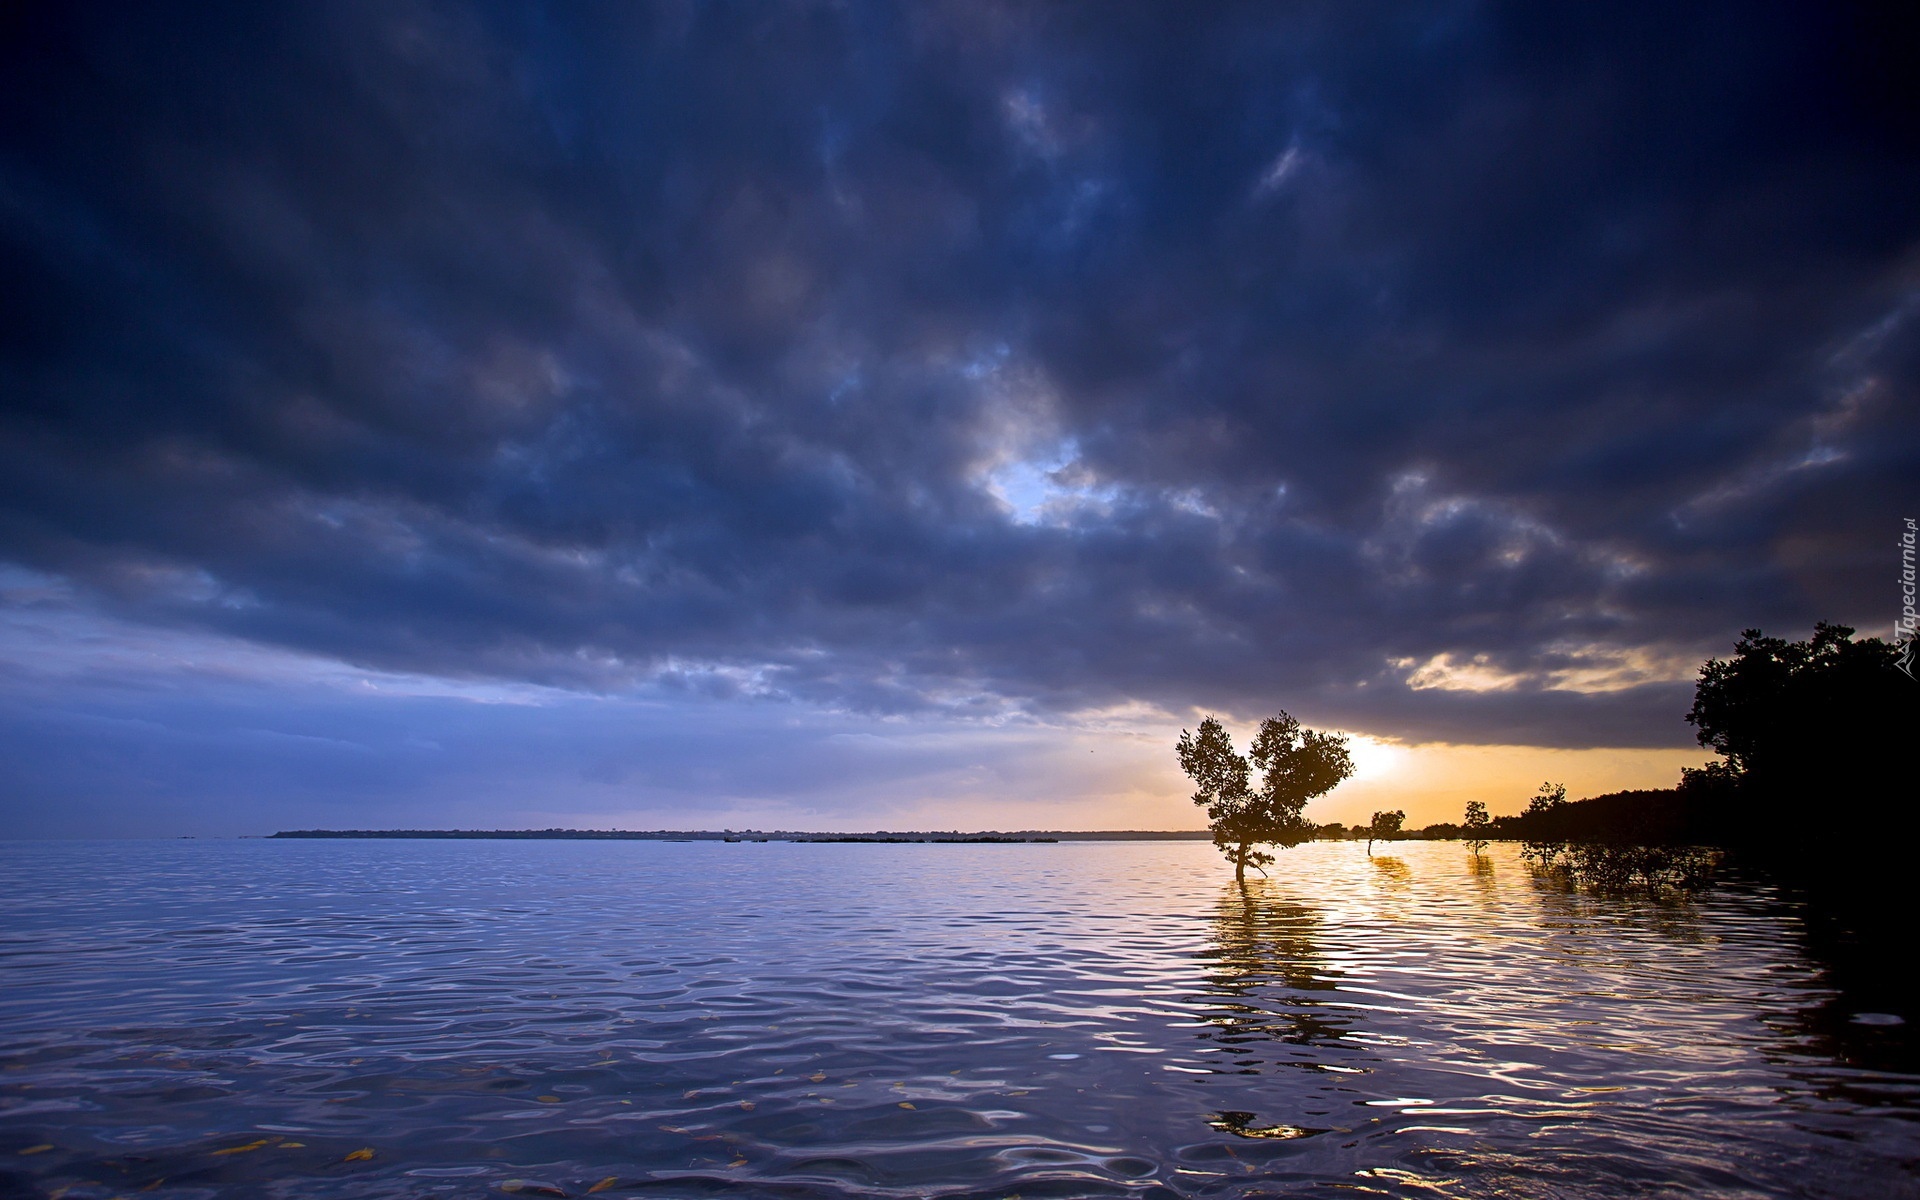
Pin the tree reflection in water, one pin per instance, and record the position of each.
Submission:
(1267, 983)
(1391, 870)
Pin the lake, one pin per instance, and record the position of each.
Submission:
(465, 1019)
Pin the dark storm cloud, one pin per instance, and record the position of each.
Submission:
(1443, 371)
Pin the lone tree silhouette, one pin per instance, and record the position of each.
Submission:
(1385, 826)
(1296, 764)
(1477, 825)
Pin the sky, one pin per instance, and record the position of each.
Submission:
(856, 416)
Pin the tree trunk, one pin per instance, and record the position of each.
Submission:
(1240, 864)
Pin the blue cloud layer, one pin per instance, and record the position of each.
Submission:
(1445, 371)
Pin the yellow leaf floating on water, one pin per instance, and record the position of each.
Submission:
(738, 1162)
(360, 1155)
(42, 1148)
(818, 1077)
(904, 1104)
(746, 1105)
(240, 1149)
(293, 1145)
(604, 1184)
(548, 1099)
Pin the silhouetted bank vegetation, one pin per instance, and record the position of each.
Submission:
(1815, 739)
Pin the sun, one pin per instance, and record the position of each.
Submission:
(1374, 758)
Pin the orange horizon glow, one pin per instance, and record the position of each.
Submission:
(1117, 780)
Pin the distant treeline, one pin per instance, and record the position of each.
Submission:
(754, 835)
(571, 835)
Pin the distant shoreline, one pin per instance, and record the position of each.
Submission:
(754, 835)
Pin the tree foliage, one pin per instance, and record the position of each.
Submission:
(1798, 723)
(1551, 798)
(1756, 708)
(1477, 825)
(1547, 841)
(1295, 764)
(1386, 826)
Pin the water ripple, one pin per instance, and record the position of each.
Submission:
(308, 1019)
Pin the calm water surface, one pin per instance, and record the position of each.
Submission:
(375, 1019)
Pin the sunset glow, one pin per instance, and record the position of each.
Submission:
(867, 599)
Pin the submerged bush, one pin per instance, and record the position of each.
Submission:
(1612, 866)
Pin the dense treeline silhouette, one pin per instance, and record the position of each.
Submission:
(1815, 740)
(1651, 816)
(1804, 728)
(1808, 731)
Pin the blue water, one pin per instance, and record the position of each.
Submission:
(389, 1019)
